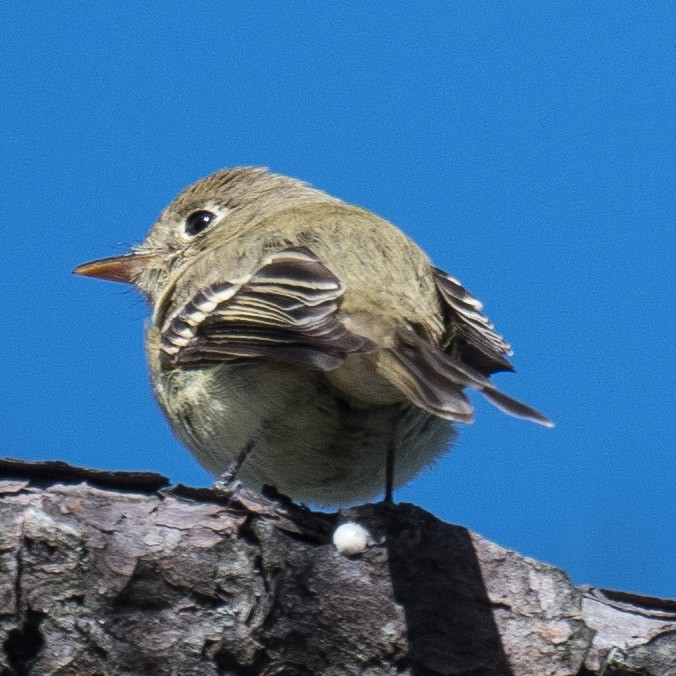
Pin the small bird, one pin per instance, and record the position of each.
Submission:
(306, 339)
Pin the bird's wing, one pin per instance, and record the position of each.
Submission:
(286, 310)
(472, 336)
(435, 380)
(434, 377)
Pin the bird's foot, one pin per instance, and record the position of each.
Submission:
(227, 483)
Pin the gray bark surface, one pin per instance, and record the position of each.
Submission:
(116, 573)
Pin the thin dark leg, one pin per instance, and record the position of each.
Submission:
(389, 474)
(227, 479)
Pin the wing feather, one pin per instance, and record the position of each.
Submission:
(286, 310)
(434, 381)
(474, 337)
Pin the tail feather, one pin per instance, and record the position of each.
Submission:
(434, 380)
(514, 407)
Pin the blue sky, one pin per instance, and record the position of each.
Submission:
(528, 148)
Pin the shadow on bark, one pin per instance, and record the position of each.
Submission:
(437, 579)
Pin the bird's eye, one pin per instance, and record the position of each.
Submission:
(198, 221)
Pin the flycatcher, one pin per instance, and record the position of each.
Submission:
(310, 332)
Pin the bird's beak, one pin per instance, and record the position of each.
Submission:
(117, 268)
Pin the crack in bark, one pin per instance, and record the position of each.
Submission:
(24, 642)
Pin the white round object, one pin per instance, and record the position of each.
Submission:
(350, 538)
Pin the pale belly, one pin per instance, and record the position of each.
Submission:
(310, 442)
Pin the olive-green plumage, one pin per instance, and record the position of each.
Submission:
(312, 328)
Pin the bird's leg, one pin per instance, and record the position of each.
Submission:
(389, 474)
(226, 482)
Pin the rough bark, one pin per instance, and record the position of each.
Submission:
(115, 573)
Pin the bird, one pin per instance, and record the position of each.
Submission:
(306, 343)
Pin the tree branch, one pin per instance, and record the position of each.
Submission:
(112, 572)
